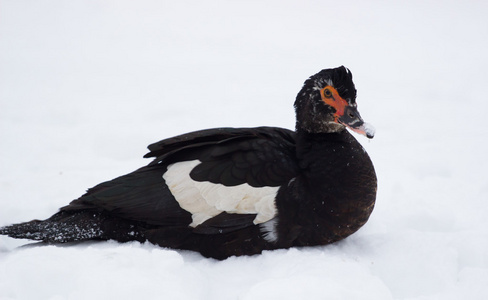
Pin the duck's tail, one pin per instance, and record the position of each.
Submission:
(60, 228)
(66, 227)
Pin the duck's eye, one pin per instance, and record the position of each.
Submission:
(327, 93)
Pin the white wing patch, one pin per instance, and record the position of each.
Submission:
(205, 200)
(269, 231)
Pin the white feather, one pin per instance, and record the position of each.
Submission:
(269, 230)
(205, 200)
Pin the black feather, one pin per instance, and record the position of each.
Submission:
(225, 223)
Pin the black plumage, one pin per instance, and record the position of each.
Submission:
(323, 181)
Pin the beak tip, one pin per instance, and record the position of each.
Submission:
(369, 130)
(366, 129)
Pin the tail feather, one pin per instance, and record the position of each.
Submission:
(68, 226)
(60, 228)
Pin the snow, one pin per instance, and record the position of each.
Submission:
(86, 85)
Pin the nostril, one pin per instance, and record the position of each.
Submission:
(351, 115)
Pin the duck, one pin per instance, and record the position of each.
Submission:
(226, 192)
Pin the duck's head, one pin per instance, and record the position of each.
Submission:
(327, 104)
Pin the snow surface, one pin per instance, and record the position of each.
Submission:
(86, 85)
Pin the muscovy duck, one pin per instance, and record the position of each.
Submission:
(237, 191)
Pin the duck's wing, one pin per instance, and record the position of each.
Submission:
(248, 159)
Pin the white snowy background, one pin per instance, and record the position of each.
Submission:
(86, 85)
